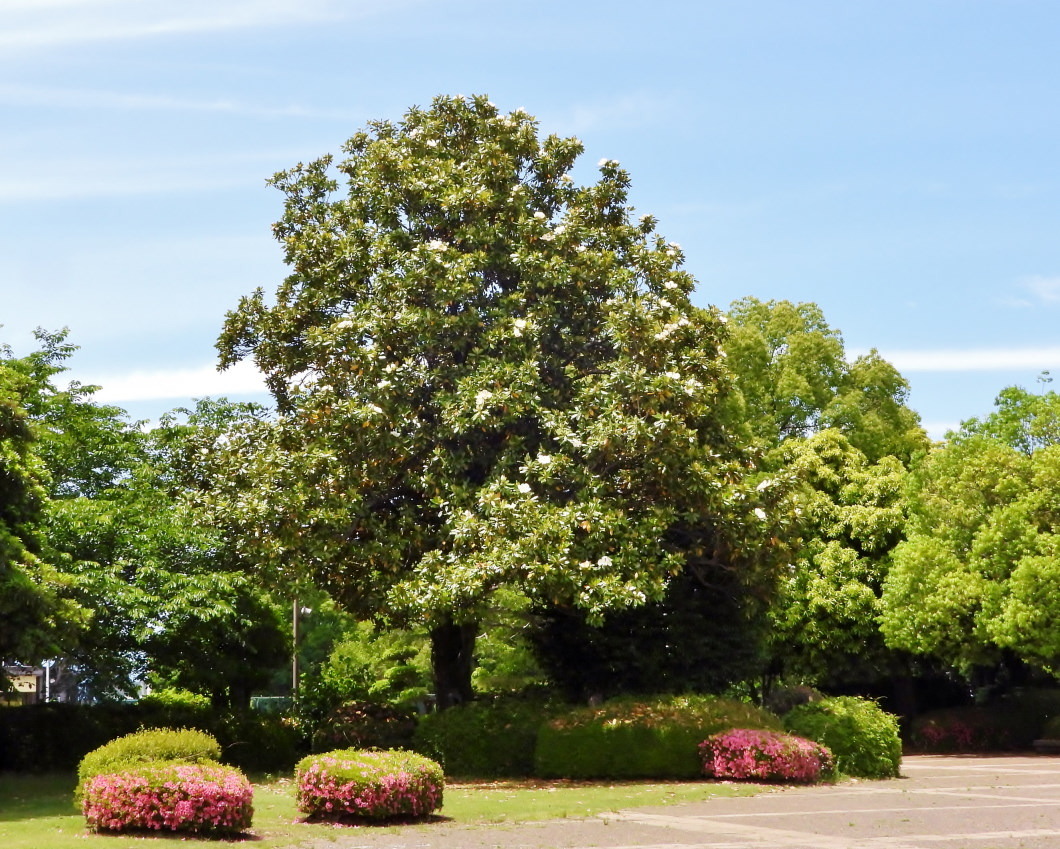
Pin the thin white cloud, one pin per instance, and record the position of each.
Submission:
(69, 179)
(241, 379)
(975, 359)
(63, 22)
(72, 98)
(636, 109)
(1045, 289)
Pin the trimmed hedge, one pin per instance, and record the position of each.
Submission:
(368, 785)
(148, 746)
(750, 754)
(626, 738)
(484, 739)
(862, 737)
(365, 725)
(203, 798)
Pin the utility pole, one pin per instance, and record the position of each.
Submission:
(294, 650)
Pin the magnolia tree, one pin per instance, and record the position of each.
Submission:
(487, 376)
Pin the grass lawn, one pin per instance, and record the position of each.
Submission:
(36, 811)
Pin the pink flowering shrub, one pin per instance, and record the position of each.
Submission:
(963, 729)
(744, 753)
(368, 784)
(207, 798)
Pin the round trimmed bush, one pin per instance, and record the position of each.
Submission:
(149, 745)
(368, 785)
(753, 754)
(862, 737)
(197, 798)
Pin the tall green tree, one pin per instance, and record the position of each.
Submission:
(794, 380)
(979, 575)
(36, 620)
(843, 431)
(486, 376)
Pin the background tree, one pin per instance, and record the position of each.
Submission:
(36, 619)
(843, 431)
(794, 380)
(824, 624)
(139, 583)
(486, 376)
(976, 581)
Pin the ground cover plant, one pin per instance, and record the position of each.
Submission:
(178, 797)
(373, 785)
(627, 738)
(753, 754)
(863, 738)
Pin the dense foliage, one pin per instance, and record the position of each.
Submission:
(488, 738)
(977, 577)
(146, 746)
(862, 737)
(486, 376)
(625, 738)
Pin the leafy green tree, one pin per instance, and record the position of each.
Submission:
(794, 380)
(825, 626)
(35, 618)
(844, 432)
(486, 376)
(977, 576)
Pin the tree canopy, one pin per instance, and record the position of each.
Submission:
(978, 574)
(486, 376)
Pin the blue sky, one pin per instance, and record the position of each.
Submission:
(893, 161)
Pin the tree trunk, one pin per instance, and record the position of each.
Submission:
(452, 659)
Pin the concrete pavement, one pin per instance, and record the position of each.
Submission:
(940, 802)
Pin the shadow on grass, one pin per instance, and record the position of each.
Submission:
(26, 796)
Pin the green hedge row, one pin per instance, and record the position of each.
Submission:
(627, 738)
(42, 738)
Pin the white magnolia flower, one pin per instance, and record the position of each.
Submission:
(524, 488)
(764, 484)
(673, 375)
(760, 513)
(483, 396)
(544, 459)
(383, 384)
(540, 216)
(604, 561)
(559, 230)
(586, 564)
(669, 284)
(519, 326)
(375, 408)
(436, 245)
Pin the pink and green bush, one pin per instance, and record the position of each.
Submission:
(197, 798)
(368, 784)
(751, 754)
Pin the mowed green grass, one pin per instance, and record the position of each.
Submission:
(37, 811)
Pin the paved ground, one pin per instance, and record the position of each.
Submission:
(939, 803)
